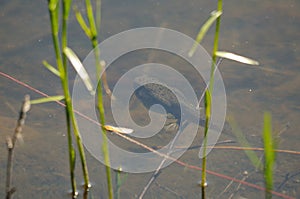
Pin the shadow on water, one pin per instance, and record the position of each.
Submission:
(264, 30)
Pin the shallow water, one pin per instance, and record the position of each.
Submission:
(264, 30)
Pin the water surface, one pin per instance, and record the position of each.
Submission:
(265, 30)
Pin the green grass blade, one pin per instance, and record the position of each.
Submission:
(207, 105)
(213, 16)
(269, 154)
(90, 16)
(67, 7)
(98, 14)
(76, 63)
(94, 41)
(47, 99)
(82, 23)
(236, 57)
(51, 68)
(53, 6)
(93, 36)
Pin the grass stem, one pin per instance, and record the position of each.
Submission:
(269, 154)
(208, 93)
(94, 40)
(61, 61)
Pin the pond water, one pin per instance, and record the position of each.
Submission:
(267, 31)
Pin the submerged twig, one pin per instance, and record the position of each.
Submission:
(245, 176)
(11, 141)
(169, 190)
(104, 81)
(288, 177)
(157, 171)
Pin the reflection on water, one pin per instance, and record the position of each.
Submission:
(264, 30)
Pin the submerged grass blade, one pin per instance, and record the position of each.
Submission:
(244, 143)
(119, 182)
(213, 16)
(269, 154)
(235, 57)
